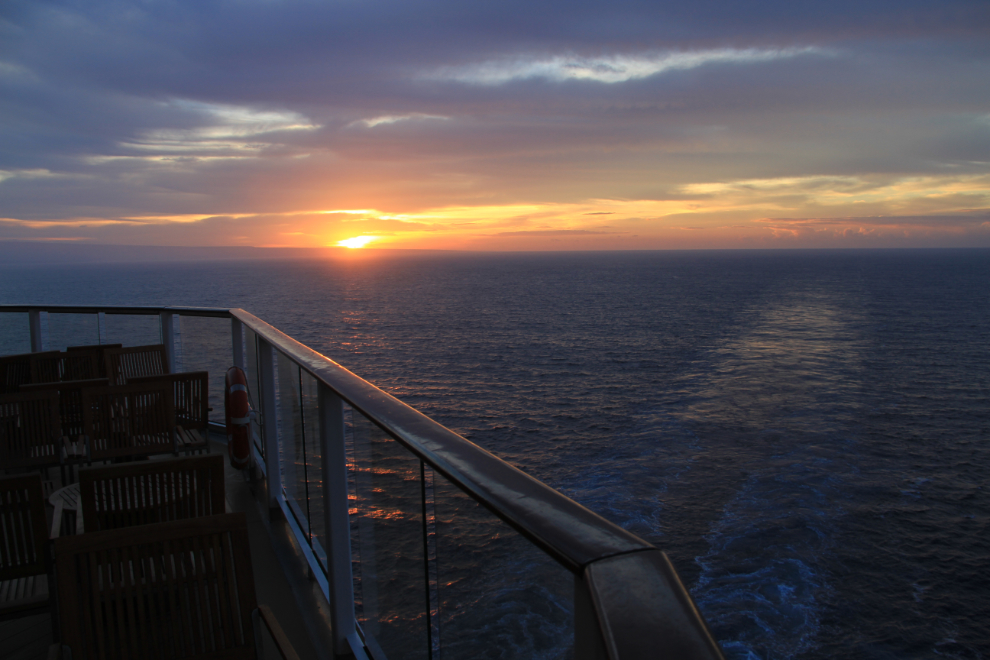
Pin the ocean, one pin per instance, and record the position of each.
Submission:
(805, 433)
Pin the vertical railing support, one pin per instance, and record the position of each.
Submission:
(588, 641)
(237, 341)
(101, 327)
(168, 338)
(335, 517)
(273, 476)
(37, 340)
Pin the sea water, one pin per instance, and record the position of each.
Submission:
(806, 434)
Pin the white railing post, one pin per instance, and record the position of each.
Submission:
(237, 341)
(37, 339)
(335, 518)
(266, 367)
(168, 338)
(588, 642)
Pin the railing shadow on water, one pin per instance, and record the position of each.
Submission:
(424, 544)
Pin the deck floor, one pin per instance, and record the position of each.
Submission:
(293, 596)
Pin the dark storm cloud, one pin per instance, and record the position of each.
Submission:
(360, 55)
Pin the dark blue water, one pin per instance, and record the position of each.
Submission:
(807, 434)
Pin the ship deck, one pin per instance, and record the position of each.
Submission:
(290, 592)
(336, 457)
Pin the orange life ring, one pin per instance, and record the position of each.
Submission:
(238, 414)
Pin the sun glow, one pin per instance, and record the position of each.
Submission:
(356, 242)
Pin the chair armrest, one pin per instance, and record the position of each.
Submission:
(281, 640)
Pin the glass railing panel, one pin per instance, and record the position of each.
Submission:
(309, 391)
(499, 596)
(72, 330)
(15, 333)
(132, 329)
(254, 386)
(387, 540)
(292, 444)
(204, 344)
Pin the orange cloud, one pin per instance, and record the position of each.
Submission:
(794, 211)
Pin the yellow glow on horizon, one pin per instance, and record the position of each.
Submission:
(820, 210)
(356, 242)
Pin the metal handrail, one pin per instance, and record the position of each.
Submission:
(573, 535)
(640, 607)
(147, 310)
(643, 610)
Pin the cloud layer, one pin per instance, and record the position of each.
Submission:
(496, 125)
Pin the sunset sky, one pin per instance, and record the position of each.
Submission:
(496, 125)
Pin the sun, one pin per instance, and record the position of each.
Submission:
(356, 242)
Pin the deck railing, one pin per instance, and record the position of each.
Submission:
(423, 543)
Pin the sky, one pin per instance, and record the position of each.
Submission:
(480, 125)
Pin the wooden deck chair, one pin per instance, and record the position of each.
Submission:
(128, 420)
(46, 367)
(70, 409)
(151, 492)
(100, 350)
(124, 363)
(57, 366)
(181, 589)
(15, 370)
(30, 430)
(192, 411)
(80, 365)
(25, 566)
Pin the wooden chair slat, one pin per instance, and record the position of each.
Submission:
(198, 571)
(151, 491)
(230, 602)
(15, 370)
(80, 365)
(129, 420)
(185, 583)
(70, 404)
(30, 429)
(132, 593)
(181, 589)
(146, 607)
(100, 351)
(24, 564)
(226, 607)
(111, 623)
(53, 366)
(93, 609)
(46, 367)
(168, 575)
(200, 622)
(191, 400)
